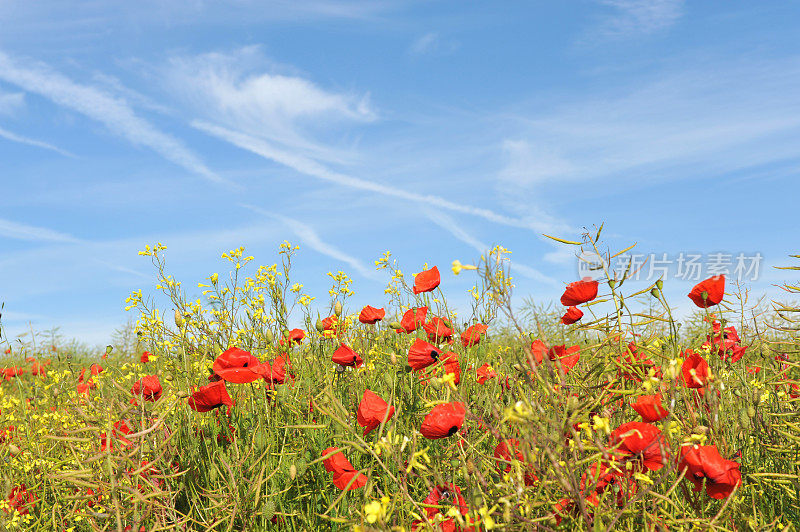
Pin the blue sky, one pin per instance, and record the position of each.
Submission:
(431, 129)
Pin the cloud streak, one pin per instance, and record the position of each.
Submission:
(309, 237)
(640, 17)
(312, 168)
(114, 113)
(18, 231)
(13, 137)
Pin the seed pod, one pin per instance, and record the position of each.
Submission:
(337, 308)
(178, 319)
(660, 284)
(268, 336)
(612, 283)
(654, 292)
(320, 326)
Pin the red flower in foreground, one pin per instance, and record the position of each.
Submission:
(506, 452)
(709, 292)
(345, 356)
(438, 329)
(472, 336)
(705, 462)
(443, 421)
(572, 315)
(329, 323)
(421, 354)
(239, 366)
(343, 471)
(372, 410)
(579, 292)
(20, 499)
(413, 319)
(371, 315)
(145, 358)
(485, 373)
(426, 280)
(640, 441)
(149, 387)
(210, 396)
(446, 496)
(566, 356)
(694, 370)
(649, 407)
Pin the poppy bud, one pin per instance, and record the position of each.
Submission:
(395, 325)
(268, 336)
(436, 383)
(302, 466)
(393, 358)
(572, 403)
(14, 450)
(183, 394)
(292, 471)
(269, 509)
(178, 319)
(660, 284)
(320, 327)
(337, 308)
(744, 421)
(454, 463)
(756, 397)
(109, 348)
(700, 429)
(751, 412)
(286, 333)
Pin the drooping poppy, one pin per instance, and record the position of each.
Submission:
(372, 410)
(641, 442)
(421, 354)
(485, 373)
(705, 462)
(145, 358)
(650, 408)
(709, 292)
(413, 319)
(345, 356)
(472, 336)
(694, 370)
(427, 280)
(438, 329)
(579, 292)
(572, 315)
(371, 315)
(239, 366)
(211, 396)
(149, 387)
(443, 421)
(343, 471)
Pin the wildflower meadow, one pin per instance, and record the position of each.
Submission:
(246, 403)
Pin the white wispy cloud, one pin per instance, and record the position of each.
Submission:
(640, 17)
(19, 231)
(432, 43)
(451, 226)
(113, 112)
(8, 135)
(244, 91)
(311, 238)
(11, 101)
(312, 168)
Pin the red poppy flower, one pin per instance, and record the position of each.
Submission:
(451, 366)
(96, 369)
(13, 371)
(634, 364)
(566, 356)
(211, 396)
(413, 319)
(239, 366)
(372, 410)
(472, 336)
(752, 370)
(649, 407)
(121, 429)
(329, 323)
(443, 421)
(421, 354)
(343, 471)
(438, 329)
(539, 350)
(485, 373)
(148, 387)
(709, 292)
(572, 315)
(506, 452)
(295, 335)
(278, 371)
(426, 280)
(37, 369)
(694, 370)
(704, 462)
(447, 496)
(21, 500)
(642, 442)
(371, 315)
(345, 356)
(600, 476)
(579, 292)
(145, 358)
